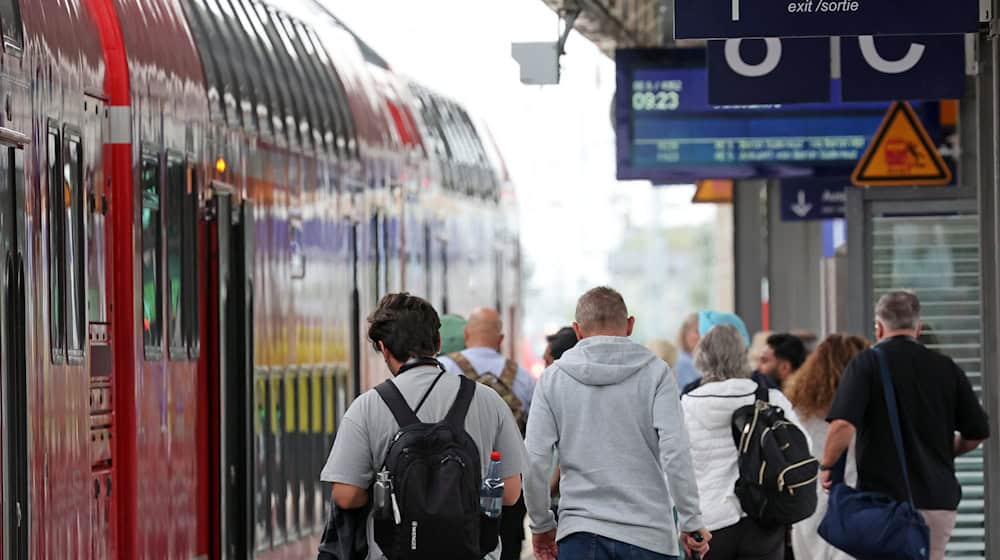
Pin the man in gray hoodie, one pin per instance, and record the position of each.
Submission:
(612, 410)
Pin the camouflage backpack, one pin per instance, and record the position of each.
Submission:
(503, 384)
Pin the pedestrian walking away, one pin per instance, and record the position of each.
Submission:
(611, 409)
(721, 356)
(424, 405)
(939, 415)
(482, 361)
(811, 393)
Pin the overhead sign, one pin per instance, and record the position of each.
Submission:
(668, 132)
(797, 70)
(713, 191)
(813, 198)
(921, 67)
(763, 71)
(902, 153)
(726, 19)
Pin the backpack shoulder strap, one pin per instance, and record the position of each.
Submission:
(466, 392)
(394, 399)
(763, 393)
(508, 373)
(464, 364)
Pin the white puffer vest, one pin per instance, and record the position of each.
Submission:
(708, 415)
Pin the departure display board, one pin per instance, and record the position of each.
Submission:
(668, 132)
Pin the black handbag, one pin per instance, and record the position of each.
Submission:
(345, 536)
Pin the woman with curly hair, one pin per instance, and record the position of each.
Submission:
(811, 391)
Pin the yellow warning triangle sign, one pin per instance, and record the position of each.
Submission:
(901, 154)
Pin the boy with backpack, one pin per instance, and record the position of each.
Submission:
(415, 449)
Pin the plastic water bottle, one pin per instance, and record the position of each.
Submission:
(491, 492)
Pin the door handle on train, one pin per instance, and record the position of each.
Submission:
(17, 509)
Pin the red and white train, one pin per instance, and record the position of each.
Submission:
(200, 201)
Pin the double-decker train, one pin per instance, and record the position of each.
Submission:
(200, 202)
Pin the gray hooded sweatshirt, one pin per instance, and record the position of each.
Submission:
(612, 411)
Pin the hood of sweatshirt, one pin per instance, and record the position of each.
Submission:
(712, 405)
(604, 360)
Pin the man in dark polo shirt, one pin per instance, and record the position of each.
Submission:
(940, 417)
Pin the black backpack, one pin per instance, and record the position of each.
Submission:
(435, 476)
(777, 480)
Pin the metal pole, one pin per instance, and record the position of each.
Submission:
(987, 93)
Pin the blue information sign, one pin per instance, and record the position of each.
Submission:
(813, 198)
(754, 71)
(724, 19)
(920, 67)
(667, 130)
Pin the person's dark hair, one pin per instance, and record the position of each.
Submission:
(788, 347)
(561, 341)
(407, 325)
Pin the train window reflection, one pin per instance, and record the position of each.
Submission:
(73, 204)
(174, 217)
(56, 203)
(149, 182)
(11, 17)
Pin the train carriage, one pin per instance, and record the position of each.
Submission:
(200, 201)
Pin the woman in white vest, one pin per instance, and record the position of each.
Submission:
(721, 356)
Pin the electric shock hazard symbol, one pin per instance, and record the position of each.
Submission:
(901, 153)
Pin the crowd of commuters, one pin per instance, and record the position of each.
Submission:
(626, 451)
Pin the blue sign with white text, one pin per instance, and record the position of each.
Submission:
(724, 19)
(768, 71)
(668, 131)
(813, 198)
(907, 67)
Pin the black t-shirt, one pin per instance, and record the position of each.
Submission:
(935, 400)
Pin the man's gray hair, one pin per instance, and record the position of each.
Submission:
(899, 310)
(601, 307)
(722, 354)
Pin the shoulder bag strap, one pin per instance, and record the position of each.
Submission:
(509, 373)
(397, 404)
(466, 391)
(464, 364)
(890, 403)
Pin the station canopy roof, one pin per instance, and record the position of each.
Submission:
(612, 24)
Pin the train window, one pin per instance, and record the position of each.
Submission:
(57, 279)
(75, 271)
(196, 15)
(323, 126)
(307, 111)
(279, 105)
(237, 59)
(348, 136)
(190, 250)
(176, 191)
(10, 14)
(244, 33)
(228, 87)
(152, 239)
(280, 65)
(285, 76)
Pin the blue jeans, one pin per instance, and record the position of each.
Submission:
(588, 546)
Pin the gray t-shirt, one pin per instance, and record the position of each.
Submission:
(364, 433)
(363, 436)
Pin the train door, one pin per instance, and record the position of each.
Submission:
(13, 403)
(230, 312)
